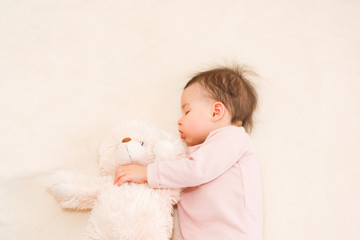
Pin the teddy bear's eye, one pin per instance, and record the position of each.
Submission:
(142, 143)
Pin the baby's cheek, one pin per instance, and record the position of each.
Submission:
(195, 124)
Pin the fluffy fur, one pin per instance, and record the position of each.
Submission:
(132, 211)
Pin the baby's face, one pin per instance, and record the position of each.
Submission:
(195, 123)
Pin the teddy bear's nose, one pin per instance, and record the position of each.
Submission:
(125, 140)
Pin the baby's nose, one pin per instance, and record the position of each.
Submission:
(125, 140)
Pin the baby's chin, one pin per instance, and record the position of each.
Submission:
(187, 141)
(191, 142)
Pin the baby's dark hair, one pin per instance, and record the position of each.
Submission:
(232, 87)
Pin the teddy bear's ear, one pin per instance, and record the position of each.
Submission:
(164, 150)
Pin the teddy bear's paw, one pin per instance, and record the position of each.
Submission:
(63, 191)
(61, 185)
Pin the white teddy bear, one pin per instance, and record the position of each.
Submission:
(131, 211)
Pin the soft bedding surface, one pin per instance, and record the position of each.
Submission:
(70, 70)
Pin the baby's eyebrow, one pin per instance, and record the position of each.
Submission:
(184, 105)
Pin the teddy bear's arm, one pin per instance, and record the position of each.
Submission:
(75, 191)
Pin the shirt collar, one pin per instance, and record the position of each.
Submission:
(192, 149)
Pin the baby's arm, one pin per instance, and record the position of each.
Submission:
(214, 157)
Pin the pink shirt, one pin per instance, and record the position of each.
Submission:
(222, 198)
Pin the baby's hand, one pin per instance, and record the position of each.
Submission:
(130, 173)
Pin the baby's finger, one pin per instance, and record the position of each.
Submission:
(122, 180)
(118, 175)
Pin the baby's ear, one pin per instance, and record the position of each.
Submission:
(164, 150)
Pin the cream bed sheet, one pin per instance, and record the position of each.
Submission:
(70, 70)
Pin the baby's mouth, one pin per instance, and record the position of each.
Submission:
(182, 134)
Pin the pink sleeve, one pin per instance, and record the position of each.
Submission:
(216, 155)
